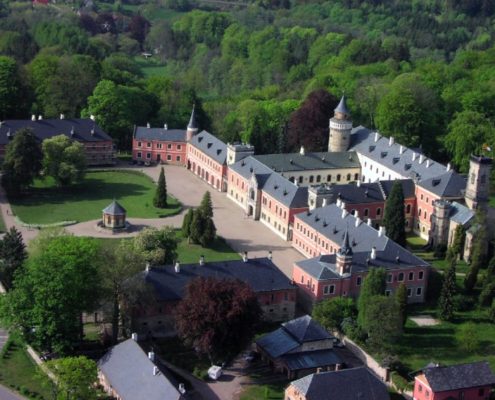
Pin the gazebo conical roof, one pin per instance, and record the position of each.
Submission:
(114, 208)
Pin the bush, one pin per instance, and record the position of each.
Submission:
(401, 383)
(463, 303)
(468, 337)
(200, 373)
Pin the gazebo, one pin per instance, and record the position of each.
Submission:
(114, 216)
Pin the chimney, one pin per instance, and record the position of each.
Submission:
(177, 267)
(62, 116)
(428, 163)
(324, 203)
(356, 214)
(245, 257)
(165, 126)
(373, 253)
(414, 155)
(40, 117)
(92, 117)
(381, 231)
(270, 255)
(377, 136)
(342, 205)
(358, 183)
(401, 149)
(134, 337)
(302, 151)
(449, 167)
(391, 141)
(148, 125)
(358, 221)
(201, 260)
(421, 158)
(151, 356)
(33, 117)
(155, 370)
(344, 213)
(337, 203)
(92, 131)
(369, 221)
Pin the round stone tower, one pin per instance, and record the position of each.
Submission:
(340, 128)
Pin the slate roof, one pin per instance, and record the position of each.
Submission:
(310, 161)
(114, 208)
(460, 376)
(375, 192)
(460, 213)
(130, 373)
(363, 142)
(274, 184)
(162, 134)
(347, 384)
(211, 146)
(311, 359)
(330, 223)
(78, 129)
(306, 329)
(259, 273)
(277, 343)
(342, 106)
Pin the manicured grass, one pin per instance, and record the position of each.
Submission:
(19, 372)
(151, 66)
(262, 392)
(46, 203)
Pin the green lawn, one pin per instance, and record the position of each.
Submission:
(264, 392)
(46, 203)
(19, 372)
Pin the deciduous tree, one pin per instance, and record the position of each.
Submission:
(394, 218)
(331, 313)
(64, 160)
(76, 377)
(217, 317)
(157, 246)
(373, 285)
(160, 199)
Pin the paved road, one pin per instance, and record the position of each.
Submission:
(6, 394)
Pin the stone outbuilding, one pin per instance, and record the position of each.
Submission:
(114, 216)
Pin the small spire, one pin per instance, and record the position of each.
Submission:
(342, 106)
(345, 249)
(192, 121)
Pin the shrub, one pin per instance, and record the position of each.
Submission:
(468, 338)
(463, 302)
(401, 383)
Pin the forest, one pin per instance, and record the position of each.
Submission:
(268, 72)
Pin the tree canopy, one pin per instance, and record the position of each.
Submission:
(64, 159)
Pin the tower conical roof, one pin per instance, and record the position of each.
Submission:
(345, 249)
(342, 106)
(114, 208)
(192, 121)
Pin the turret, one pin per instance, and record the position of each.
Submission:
(340, 128)
(192, 126)
(238, 151)
(477, 188)
(344, 256)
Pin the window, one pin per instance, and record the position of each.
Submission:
(139, 144)
(148, 144)
(358, 281)
(378, 211)
(401, 277)
(148, 155)
(390, 278)
(356, 177)
(419, 291)
(169, 146)
(300, 179)
(179, 147)
(169, 157)
(411, 276)
(420, 388)
(419, 212)
(302, 279)
(409, 294)
(311, 179)
(338, 177)
(387, 292)
(348, 177)
(139, 154)
(408, 209)
(159, 146)
(177, 158)
(318, 178)
(329, 178)
(366, 212)
(329, 289)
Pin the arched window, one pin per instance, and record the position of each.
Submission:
(353, 212)
(348, 177)
(318, 178)
(378, 211)
(251, 194)
(408, 209)
(366, 212)
(329, 178)
(338, 177)
(300, 179)
(356, 177)
(419, 212)
(311, 178)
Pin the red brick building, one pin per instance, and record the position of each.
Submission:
(473, 381)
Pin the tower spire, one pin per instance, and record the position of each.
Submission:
(342, 106)
(192, 126)
(346, 249)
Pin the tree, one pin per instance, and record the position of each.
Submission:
(373, 285)
(332, 312)
(157, 246)
(478, 254)
(206, 207)
(118, 265)
(382, 322)
(12, 256)
(11, 90)
(160, 199)
(187, 223)
(468, 337)
(22, 161)
(458, 243)
(217, 317)
(197, 227)
(308, 125)
(394, 218)
(446, 301)
(488, 291)
(209, 233)
(64, 159)
(401, 298)
(76, 377)
(54, 289)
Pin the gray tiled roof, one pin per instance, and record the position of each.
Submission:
(310, 161)
(78, 129)
(130, 373)
(342, 106)
(259, 273)
(346, 384)
(211, 146)
(363, 142)
(311, 359)
(274, 184)
(170, 135)
(461, 376)
(460, 213)
(306, 329)
(114, 208)
(449, 184)
(277, 343)
(329, 222)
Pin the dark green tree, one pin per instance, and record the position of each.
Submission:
(186, 223)
(373, 285)
(401, 298)
(331, 313)
(209, 233)
(477, 255)
(160, 199)
(458, 244)
(206, 207)
(197, 227)
(446, 301)
(394, 218)
(22, 161)
(12, 256)
(11, 91)
(488, 291)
